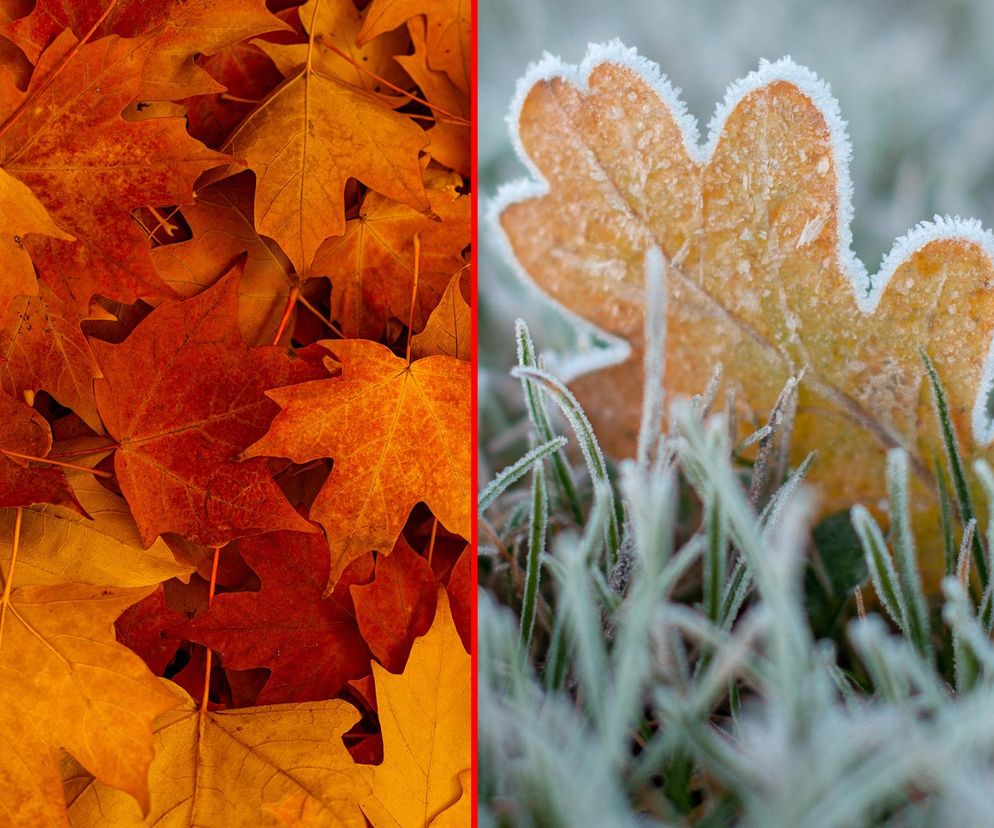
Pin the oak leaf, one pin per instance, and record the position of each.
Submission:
(449, 329)
(397, 606)
(260, 766)
(183, 395)
(307, 138)
(397, 433)
(371, 266)
(58, 644)
(449, 23)
(311, 645)
(66, 139)
(25, 432)
(754, 231)
(425, 717)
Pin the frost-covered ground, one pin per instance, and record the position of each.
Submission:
(913, 80)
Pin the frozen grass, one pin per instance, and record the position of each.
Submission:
(674, 642)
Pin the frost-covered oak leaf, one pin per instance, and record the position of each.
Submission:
(760, 276)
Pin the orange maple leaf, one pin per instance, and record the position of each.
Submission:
(397, 433)
(754, 229)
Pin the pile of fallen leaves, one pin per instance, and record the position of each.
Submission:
(234, 413)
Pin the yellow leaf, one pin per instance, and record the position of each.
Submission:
(425, 718)
(280, 765)
(306, 139)
(754, 229)
(448, 331)
(58, 545)
(65, 683)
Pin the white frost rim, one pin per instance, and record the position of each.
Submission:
(867, 289)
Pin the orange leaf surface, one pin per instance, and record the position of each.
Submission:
(66, 140)
(25, 432)
(397, 434)
(371, 266)
(196, 407)
(425, 717)
(221, 221)
(45, 350)
(286, 762)
(450, 327)
(307, 138)
(754, 230)
(449, 40)
(58, 642)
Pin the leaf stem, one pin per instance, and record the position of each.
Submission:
(431, 542)
(5, 601)
(31, 457)
(414, 294)
(291, 300)
(210, 652)
(328, 322)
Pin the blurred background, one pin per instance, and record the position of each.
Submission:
(914, 80)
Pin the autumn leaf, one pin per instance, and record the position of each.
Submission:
(449, 329)
(311, 645)
(176, 33)
(754, 229)
(462, 594)
(22, 214)
(45, 350)
(265, 766)
(371, 266)
(57, 642)
(59, 546)
(26, 435)
(140, 628)
(449, 31)
(198, 405)
(425, 716)
(307, 138)
(404, 442)
(223, 229)
(450, 138)
(65, 138)
(397, 606)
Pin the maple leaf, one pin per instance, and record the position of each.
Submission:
(45, 350)
(140, 629)
(199, 404)
(312, 645)
(336, 23)
(397, 606)
(405, 442)
(450, 327)
(449, 25)
(222, 226)
(371, 266)
(461, 594)
(65, 138)
(21, 213)
(754, 229)
(307, 138)
(57, 643)
(60, 546)
(262, 766)
(425, 717)
(27, 434)
(176, 33)
(450, 140)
